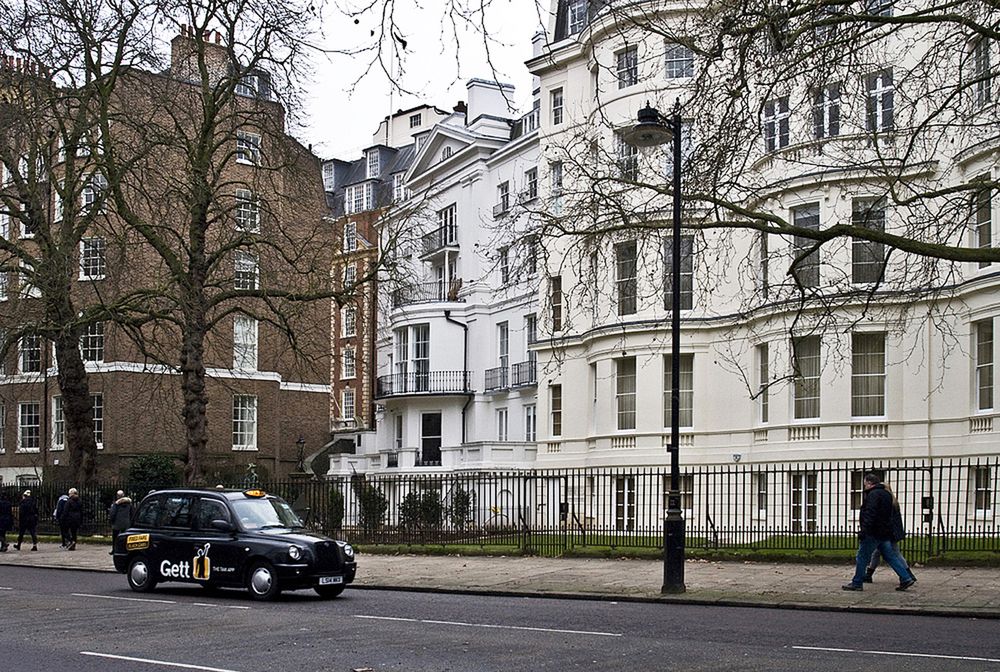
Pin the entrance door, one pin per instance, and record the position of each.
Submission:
(430, 439)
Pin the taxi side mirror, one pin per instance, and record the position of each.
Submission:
(221, 525)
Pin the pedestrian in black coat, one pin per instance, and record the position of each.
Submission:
(27, 521)
(120, 516)
(72, 517)
(6, 520)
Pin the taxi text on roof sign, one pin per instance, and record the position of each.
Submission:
(254, 493)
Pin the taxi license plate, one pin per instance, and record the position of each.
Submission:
(330, 580)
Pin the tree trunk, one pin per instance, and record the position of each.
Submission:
(195, 399)
(77, 408)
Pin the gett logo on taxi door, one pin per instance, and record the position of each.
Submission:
(178, 570)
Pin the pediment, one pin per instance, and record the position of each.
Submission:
(441, 147)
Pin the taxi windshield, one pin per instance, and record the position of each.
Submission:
(258, 514)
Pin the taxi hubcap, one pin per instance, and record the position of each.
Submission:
(139, 573)
(261, 580)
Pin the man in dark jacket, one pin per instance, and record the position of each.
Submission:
(27, 521)
(120, 516)
(72, 517)
(58, 516)
(877, 533)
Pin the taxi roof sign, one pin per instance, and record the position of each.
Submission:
(255, 493)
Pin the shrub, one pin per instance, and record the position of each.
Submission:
(460, 510)
(157, 470)
(335, 512)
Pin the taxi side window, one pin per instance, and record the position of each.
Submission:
(207, 510)
(149, 513)
(176, 511)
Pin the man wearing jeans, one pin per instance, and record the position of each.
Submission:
(876, 533)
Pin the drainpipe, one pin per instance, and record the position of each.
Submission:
(465, 364)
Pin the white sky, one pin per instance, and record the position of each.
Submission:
(340, 123)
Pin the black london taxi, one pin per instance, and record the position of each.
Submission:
(229, 538)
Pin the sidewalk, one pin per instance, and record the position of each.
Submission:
(969, 592)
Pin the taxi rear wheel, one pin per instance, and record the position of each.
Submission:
(328, 592)
(262, 582)
(140, 575)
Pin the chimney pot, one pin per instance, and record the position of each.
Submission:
(218, 37)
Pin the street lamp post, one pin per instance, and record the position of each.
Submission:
(653, 130)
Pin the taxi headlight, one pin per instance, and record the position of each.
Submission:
(348, 551)
(294, 552)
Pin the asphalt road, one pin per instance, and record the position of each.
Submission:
(80, 621)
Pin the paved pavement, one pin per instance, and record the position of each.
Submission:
(959, 591)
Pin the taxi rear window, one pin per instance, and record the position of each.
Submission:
(176, 511)
(149, 513)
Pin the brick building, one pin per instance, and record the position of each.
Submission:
(266, 359)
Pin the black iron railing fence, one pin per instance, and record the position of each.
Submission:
(425, 382)
(949, 506)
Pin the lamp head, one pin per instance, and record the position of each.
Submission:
(650, 131)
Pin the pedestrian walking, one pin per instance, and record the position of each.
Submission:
(27, 521)
(876, 533)
(120, 516)
(898, 534)
(57, 515)
(6, 520)
(72, 516)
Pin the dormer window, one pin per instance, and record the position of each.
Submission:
(372, 164)
(576, 15)
(415, 121)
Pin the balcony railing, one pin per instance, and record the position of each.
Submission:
(430, 382)
(526, 124)
(523, 373)
(496, 379)
(426, 292)
(440, 238)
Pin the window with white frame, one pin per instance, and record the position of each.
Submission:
(555, 409)
(415, 121)
(867, 256)
(763, 378)
(679, 61)
(247, 211)
(30, 360)
(501, 424)
(879, 102)
(826, 111)
(984, 364)
(97, 415)
(686, 387)
(398, 188)
(58, 424)
(806, 271)
(93, 194)
(867, 375)
(576, 16)
(628, 159)
(246, 274)
(776, 117)
(348, 411)
(93, 261)
(556, 186)
(627, 67)
(625, 392)
(350, 276)
(448, 221)
(531, 256)
(398, 434)
(806, 365)
(350, 236)
(503, 345)
(531, 183)
(244, 343)
(556, 105)
(982, 72)
(4, 281)
(446, 152)
(879, 7)
(687, 272)
(348, 321)
(348, 368)
(765, 264)
(503, 261)
(503, 197)
(530, 423)
(29, 427)
(982, 489)
(247, 147)
(92, 342)
(626, 277)
(372, 165)
(556, 302)
(4, 224)
(982, 225)
(250, 85)
(244, 422)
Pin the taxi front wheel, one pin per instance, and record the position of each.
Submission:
(262, 582)
(140, 577)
